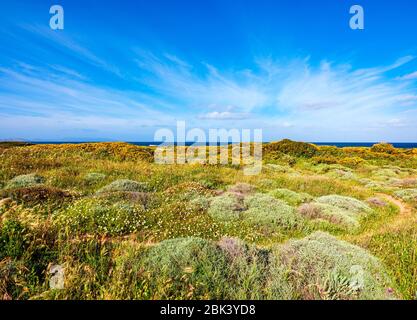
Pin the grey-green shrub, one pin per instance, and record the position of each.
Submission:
(291, 197)
(190, 268)
(346, 203)
(322, 267)
(335, 215)
(226, 207)
(124, 185)
(407, 194)
(94, 177)
(242, 188)
(279, 168)
(24, 181)
(174, 265)
(266, 210)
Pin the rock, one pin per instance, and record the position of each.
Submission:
(57, 277)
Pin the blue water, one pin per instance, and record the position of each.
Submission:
(402, 145)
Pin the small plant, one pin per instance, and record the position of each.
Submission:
(96, 216)
(94, 177)
(241, 188)
(351, 162)
(330, 213)
(12, 239)
(377, 202)
(291, 197)
(407, 194)
(279, 168)
(346, 203)
(226, 207)
(38, 194)
(187, 191)
(124, 185)
(25, 181)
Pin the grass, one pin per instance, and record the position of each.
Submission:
(315, 224)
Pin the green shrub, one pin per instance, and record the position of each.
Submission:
(187, 191)
(384, 148)
(263, 209)
(39, 194)
(226, 207)
(322, 267)
(405, 183)
(186, 268)
(101, 217)
(25, 181)
(292, 148)
(387, 174)
(146, 200)
(346, 203)
(342, 174)
(407, 194)
(260, 209)
(291, 197)
(377, 202)
(12, 279)
(94, 177)
(12, 239)
(279, 168)
(330, 213)
(351, 162)
(190, 268)
(325, 160)
(201, 202)
(197, 257)
(124, 185)
(241, 188)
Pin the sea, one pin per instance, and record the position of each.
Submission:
(402, 145)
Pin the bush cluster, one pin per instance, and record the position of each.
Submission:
(24, 181)
(124, 185)
(292, 148)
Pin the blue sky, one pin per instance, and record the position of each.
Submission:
(120, 70)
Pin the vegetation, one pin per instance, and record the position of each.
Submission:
(316, 223)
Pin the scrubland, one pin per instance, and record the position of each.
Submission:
(316, 223)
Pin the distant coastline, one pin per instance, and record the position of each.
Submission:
(400, 145)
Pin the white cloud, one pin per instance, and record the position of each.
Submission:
(226, 115)
(410, 76)
(293, 98)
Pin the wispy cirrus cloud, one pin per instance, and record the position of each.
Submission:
(329, 99)
(225, 115)
(410, 76)
(72, 46)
